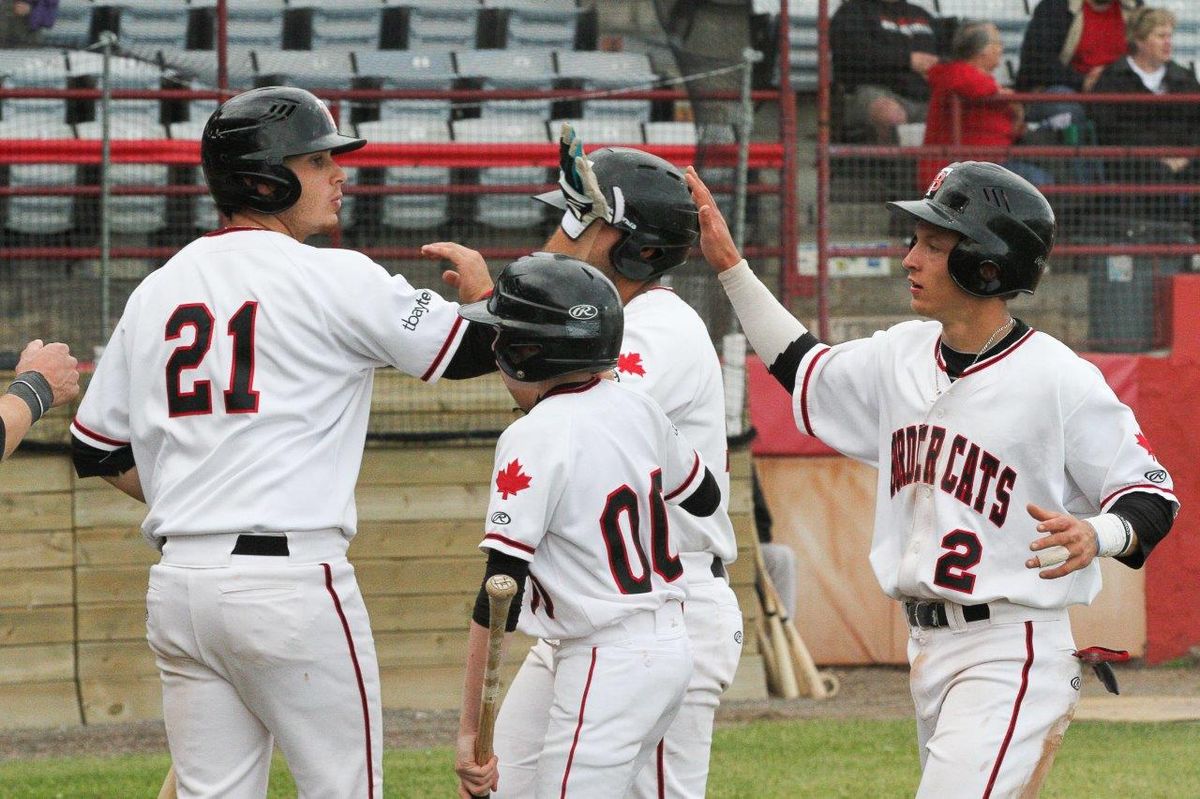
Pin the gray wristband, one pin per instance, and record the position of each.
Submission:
(35, 390)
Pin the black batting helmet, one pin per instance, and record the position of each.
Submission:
(651, 206)
(247, 138)
(553, 315)
(1003, 219)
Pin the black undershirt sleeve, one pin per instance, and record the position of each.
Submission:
(785, 366)
(499, 563)
(1151, 517)
(474, 356)
(705, 500)
(92, 462)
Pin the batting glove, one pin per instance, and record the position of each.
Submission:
(585, 200)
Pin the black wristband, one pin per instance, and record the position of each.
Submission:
(35, 390)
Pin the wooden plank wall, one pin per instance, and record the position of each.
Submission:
(73, 574)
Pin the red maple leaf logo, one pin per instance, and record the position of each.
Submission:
(510, 479)
(630, 363)
(1144, 443)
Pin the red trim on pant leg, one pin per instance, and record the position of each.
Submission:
(1012, 721)
(579, 726)
(362, 688)
(662, 777)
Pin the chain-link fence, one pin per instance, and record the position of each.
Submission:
(461, 101)
(1096, 103)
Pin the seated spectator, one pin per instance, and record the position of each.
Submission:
(1148, 69)
(1067, 44)
(22, 21)
(882, 50)
(976, 51)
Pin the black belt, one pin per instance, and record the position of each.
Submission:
(248, 544)
(928, 614)
(718, 567)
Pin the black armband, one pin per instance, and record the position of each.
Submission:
(474, 356)
(499, 563)
(785, 366)
(35, 390)
(705, 500)
(93, 462)
(1151, 517)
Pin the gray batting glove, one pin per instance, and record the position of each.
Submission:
(585, 200)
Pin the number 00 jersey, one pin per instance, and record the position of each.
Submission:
(958, 462)
(241, 374)
(578, 489)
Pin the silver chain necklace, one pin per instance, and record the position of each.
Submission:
(988, 344)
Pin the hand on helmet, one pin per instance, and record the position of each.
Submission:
(585, 200)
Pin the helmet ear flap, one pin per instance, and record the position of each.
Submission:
(285, 189)
(626, 258)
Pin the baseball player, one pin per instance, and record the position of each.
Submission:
(629, 214)
(46, 378)
(1007, 466)
(578, 507)
(233, 398)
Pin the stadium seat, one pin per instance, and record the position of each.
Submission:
(499, 210)
(310, 70)
(605, 130)
(670, 133)
(443, 24)
(255, 24)
(600, 71)
(39, 215)
(47, 71)
(123, 73)
(401, 69)
(503, 69)
(197, 69)
(411, 211)
(538, 24)
(133, 213)
(345, 25)
(203, 209)
(147, 26)
(72, 25)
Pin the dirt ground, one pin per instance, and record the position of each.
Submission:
(1164, 693)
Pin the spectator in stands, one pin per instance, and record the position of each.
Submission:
(1148, 69)
(1067, 44)
(882, 51)
(976, 50)
(22, 21)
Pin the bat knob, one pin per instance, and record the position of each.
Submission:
(501, 586)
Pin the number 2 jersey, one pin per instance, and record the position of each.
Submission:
(959, 461)
(241, 374)
(578, 490)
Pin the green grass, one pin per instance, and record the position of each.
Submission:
(796, 760)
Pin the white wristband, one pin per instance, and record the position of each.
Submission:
(1113, 534)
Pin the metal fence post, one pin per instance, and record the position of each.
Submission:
(107, 40)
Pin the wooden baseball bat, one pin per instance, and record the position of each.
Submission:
(501, 589)
(768, 599)
(168, 787)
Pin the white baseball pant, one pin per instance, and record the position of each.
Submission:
(256, 650)
(603, 703)
(993, 698)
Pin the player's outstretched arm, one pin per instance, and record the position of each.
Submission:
(778, 337)
(468, 271)
(46, 378)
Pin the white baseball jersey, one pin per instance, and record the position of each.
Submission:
(666, 353)
(958, 462)
(247, 406)
(578, 489)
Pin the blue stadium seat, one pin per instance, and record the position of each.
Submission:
(538, 24)
(411, 211)
(310, 70)
(45, 70)
(133, 213)
(505, 69)
(600, 71)
(500, 210)
(198, 69)
(603, 131)
(204, 210)
(403, 69)
(255, 24)
(124, 73)
(346, 25)
(147, 26)
(39, 215)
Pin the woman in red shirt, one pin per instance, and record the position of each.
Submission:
(977, 51)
